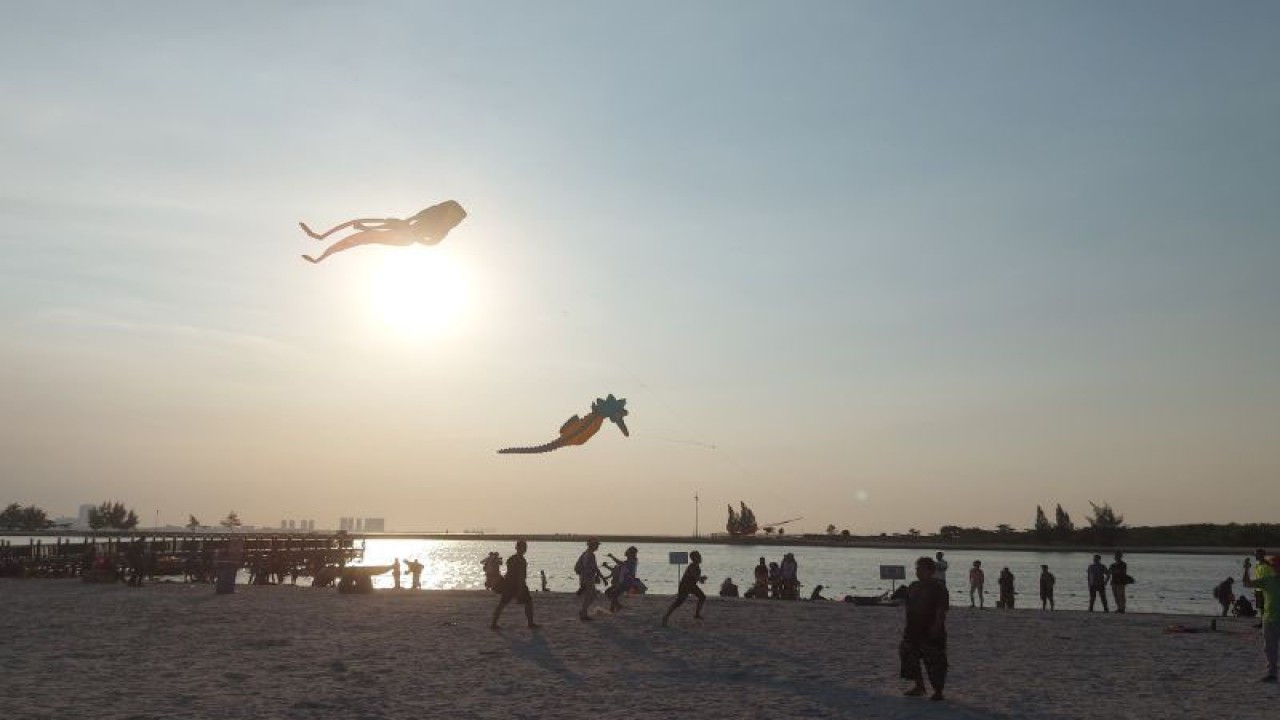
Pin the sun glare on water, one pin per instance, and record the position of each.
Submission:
(419, 292)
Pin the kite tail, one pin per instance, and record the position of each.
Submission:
(554, 444)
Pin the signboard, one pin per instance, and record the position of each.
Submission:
(678, 558)
(893, 572)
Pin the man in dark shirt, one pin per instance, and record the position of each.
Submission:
(513, 586)
(1098, 576)
(1119, 579)
(689, 586)
(925, 637)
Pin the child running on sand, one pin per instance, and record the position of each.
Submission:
(513, 586)
(689, 586)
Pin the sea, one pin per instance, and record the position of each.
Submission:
(1170, 583)
(1163, 582)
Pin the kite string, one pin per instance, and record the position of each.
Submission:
(689, 437)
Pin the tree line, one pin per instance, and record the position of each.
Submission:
(108, 515)
(1106, 527)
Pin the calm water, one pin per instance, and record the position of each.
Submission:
(1165, 583)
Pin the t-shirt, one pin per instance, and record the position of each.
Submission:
(1270, 587)
(692, 575)
(940, 571)
(925, 598)
(1046, 582)
(1119, 572)
(586, 568)
(517, 568)
(1097, 575)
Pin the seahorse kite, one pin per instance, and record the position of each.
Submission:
(578, 430)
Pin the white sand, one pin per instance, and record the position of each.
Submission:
(75, 650)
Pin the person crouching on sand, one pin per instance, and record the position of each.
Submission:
(689, 586)
(924, 639)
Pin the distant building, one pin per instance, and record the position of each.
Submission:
(355, 524)
(82, 518)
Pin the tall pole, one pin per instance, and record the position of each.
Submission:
(695, 515)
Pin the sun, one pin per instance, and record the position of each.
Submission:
(418, 291)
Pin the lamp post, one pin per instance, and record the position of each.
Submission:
(695, 515)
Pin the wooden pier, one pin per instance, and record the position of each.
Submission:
(191, 555)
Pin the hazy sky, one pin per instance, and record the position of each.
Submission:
(880, 265)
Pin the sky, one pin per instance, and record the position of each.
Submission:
(880, 266)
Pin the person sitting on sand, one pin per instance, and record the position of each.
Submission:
(924, 639)
(689, 586)
(514, 586)
(817, 593)
(728, 589)
(1243, 608)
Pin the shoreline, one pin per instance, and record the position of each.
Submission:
(894, 543)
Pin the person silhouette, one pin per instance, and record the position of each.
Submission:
(514, 587)
(689, 586)
(415, 572)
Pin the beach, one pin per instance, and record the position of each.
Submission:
(70, 649)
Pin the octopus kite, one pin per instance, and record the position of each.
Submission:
(428, 227)
(578, 430)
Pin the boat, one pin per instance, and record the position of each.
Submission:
(741, 523)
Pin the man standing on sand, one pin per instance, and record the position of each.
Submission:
(1047, 581)
(1097, 574)
(415, 572)
(588, 573)
(1260, 570)
(514, 587)
(1269, 584)
(977, 578)
(924, 639)
(1119, 579)
(395, 572)
(940, 573)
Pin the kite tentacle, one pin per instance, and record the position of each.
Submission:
(554, 444)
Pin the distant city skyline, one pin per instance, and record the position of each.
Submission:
(876, 265)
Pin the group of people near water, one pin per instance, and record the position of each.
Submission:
(621, 581)
(1098, 578)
